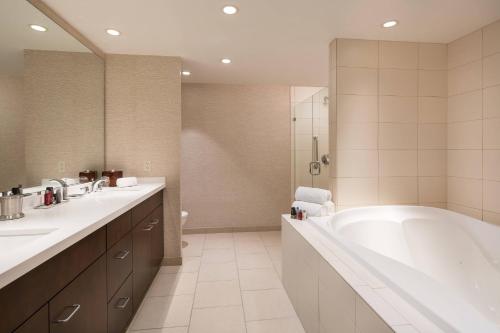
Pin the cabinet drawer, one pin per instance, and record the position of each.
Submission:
(119, 259)
(39, 322)
(81, 307)
(117, 228)
(142, 275)
(141, 211)
(23, 297)
(120, 308)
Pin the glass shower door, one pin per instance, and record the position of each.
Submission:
(310, 124)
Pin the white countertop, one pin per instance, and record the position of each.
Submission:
(72, 222)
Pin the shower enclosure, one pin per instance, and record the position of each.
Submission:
(310, 141)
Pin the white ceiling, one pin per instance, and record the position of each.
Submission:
(16, 36)
(269, 41)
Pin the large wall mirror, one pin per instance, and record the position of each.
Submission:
(51, 100)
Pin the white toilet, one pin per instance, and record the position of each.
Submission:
(184, 217)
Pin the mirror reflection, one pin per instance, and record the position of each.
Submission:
(51, 100)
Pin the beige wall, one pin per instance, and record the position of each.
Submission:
(474, 124)
(143, 124)
(235, 155)
(388, 122)
(64, 113)
(12, 170)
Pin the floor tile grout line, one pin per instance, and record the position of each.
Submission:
(196, 285)
(241, 291)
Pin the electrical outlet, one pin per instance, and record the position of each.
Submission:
(148, 166)
(61, 166)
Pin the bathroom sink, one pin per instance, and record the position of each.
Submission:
(25, 231)
(12, 237)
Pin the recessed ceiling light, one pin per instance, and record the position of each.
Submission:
(226, 61)
(113, 32)
(390, 24)
(230, 10)
(37, 27)
(186, 73)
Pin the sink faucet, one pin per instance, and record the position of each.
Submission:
(64, 187)
(98, 184)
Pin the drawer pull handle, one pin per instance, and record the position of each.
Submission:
(149, 228)
(122, 254)
(122, 303)
(75, 307)
(155, 221)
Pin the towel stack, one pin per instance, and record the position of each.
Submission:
(315, 201)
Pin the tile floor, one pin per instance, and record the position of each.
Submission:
(229, 283)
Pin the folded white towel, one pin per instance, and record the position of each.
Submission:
(312, 209)
(313, 195)
(126, 182)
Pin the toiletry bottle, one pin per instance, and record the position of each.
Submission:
(304, 215)
(299, 215)
(293, 213)
(48, 197)
(59, 195)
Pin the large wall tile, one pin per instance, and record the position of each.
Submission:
(357, 108)
(357, 163)
(491, 100)
(358, 81)
(491, 70)
(398, 190)
(398, 136)
(432, 56)
(398, 109)
(491, 217)
(465, 78)
(357, 53)
(432, 109)
(357, 136)
(491, 39)
(398, 82)
(491, 134)
(402, 55)
(465, 50)
(491, 164)
(432, 162)
(465, 135)
(432, 189)
(398, 163)
(472, 212)
(491, 196)
(465, 163)
(432, 136)
(465, 191)
(465, 107)
(433, 83)
(357, 191)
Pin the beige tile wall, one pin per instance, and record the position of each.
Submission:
(389, 120)
(235, 154)
(13, 169)
(474, 124)
(64, 113)
(143, 123)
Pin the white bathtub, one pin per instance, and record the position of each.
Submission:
(443, 263)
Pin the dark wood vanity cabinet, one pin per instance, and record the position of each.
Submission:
(82, 305)
(96, 285)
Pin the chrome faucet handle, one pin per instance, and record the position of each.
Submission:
(98, 184)
(64, 187)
